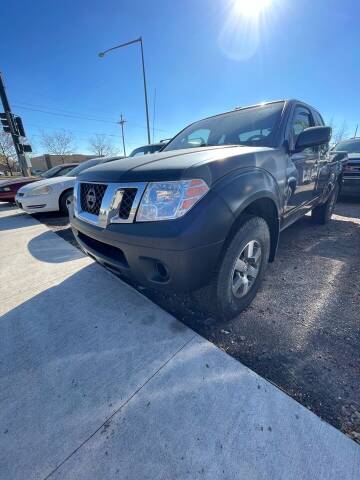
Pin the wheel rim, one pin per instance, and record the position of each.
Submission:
(246, 269)
(68, 201)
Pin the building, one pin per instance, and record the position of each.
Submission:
(44, 162)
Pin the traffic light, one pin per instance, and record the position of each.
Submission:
(19, 127)
(6, 121)
(12, 124)
(25, 148)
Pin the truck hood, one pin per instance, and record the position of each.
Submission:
(208, 163)
(54, 182)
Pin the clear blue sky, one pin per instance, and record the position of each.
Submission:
(200, 57)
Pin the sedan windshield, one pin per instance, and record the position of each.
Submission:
(252, 126)
(350, 146)
(83, 166)
(146, 149)
(51, 172)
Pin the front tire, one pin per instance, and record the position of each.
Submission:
(322, 214)
(240, 272)
(64, 202)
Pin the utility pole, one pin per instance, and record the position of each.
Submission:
(153, 129)
(13, 124)
(122, 121)
(357, 126)
(145, 91)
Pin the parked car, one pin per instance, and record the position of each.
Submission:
(10, 186)
(147, 149)
(53, 194)
(351, 175)
(206, 212)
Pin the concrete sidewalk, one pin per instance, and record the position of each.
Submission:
(97, 382)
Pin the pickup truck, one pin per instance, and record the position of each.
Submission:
(205, 213)
(351, 174)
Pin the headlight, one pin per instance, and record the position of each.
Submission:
(170, 200)
(43, 190)
(5, 189)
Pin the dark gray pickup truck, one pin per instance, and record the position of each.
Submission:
(206, 212)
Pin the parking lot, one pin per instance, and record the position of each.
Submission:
(302, 332)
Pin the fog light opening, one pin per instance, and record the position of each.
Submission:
(162, 271)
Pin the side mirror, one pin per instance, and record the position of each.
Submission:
(312, 137)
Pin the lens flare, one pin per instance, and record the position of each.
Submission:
(245, 24)
(251, 8)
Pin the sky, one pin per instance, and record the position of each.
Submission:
(202, 57)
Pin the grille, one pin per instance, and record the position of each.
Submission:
(127, 202)
(352, 169)
(91, 195)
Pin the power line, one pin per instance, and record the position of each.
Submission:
(73, 131)
(27, 104)
(69, 115)
(76, 115)
(38, 135)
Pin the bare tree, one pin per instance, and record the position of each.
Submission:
(101, 145)
(340, 133)
(58, 143)
(7, 153)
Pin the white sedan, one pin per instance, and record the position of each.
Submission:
(53, 194)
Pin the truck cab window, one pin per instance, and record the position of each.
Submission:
(302, 120)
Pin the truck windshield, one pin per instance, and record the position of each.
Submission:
(252, 126)
(350, 146)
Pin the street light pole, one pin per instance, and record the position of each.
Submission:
(145, 91)
(137, 40)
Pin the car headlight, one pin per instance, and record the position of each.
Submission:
(42, 190)
(5, 189)
(170, 200)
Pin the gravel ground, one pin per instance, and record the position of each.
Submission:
(302, 332)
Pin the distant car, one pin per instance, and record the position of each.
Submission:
(147, 149)
(53, 194)
(10, 186)
(351, 172)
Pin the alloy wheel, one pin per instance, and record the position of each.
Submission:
(246, 269)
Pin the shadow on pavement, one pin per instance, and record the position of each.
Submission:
(17, 220)
(44, 248)
(7, 206)
(348, 207)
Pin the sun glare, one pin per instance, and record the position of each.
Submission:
(251, 8)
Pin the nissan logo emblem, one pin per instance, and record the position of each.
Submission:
(91, 198)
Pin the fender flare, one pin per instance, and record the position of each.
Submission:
(242, 190)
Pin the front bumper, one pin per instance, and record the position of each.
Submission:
(176, 256)
(35, 204)
(350, 185)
